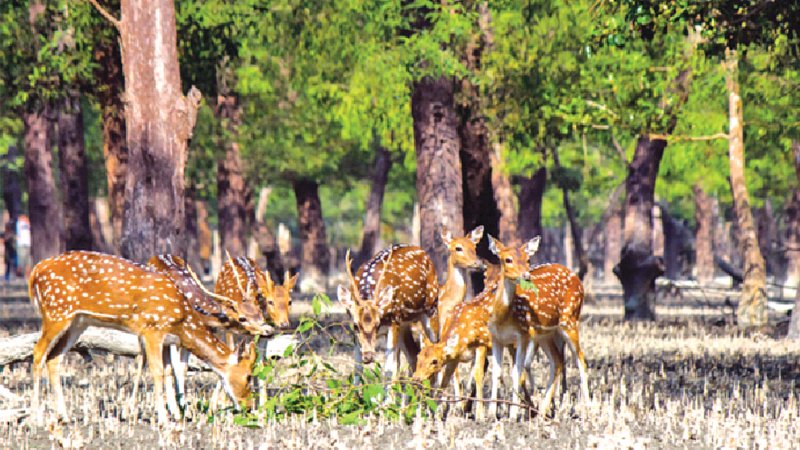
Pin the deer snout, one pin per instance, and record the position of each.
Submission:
(526, 276)
(285, 325)
(368, 357)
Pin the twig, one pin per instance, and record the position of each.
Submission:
(103, 12)
(673, 138)
(619, 148)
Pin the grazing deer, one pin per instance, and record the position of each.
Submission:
(551, 311)
(396, 288)
(79, 289)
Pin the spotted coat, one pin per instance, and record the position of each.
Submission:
(242, 281)
(555, 302)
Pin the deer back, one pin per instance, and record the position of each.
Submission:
(410, 273)
(241, 281)
(556, 300)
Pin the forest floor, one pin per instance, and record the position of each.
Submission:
(689, 380)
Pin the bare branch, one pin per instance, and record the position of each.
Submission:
(619, 148)
(103, 12)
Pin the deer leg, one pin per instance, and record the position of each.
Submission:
(51, 334)
(154, 348)
(556, 365)
(497, 367)
(516, 375)
(392, 355)
(180, 375)
(54, 358)
(410, 348)
(573, 341)
(431, 328)
(172, 380)
(477, 375)
(140, 360)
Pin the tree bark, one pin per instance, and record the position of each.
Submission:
(793, 229)
(529, 221)
(673, 243)
(43, 207)
(12, 190)
(231, 189)
(439, 187)
(613, 246)
(204, 236)
(504, 198)
(704, 240)
(638, 268)
(159, 121)
(265, 239)
(315, 258)
(372, 219)
(108, 72)
(192, 230)
(74, 176)
(752, 310)
(575, 228)
(766, 230)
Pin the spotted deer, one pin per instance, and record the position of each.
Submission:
(395, 289)
(551, 311)
(462, 258)
(79, 289)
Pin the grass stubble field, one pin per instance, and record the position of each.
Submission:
(689, 380)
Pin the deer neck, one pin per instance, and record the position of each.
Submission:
(201, 342)
(453, 292)
(503, 297)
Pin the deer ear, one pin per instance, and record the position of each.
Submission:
(345, 297)
(425, 341)
(447, 236)
(532, 246)
(477, 234)
(250, 359)
(493, 245)
(289, 282)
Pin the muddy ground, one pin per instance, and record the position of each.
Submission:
(690, 380)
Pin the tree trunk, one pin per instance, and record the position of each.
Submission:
(108, 72)
(613, 246)
(752, 310)
(192, 230)
(504, 198)
(439, 187)
(793, 217)
(529, 221)
(43, 207)
(315, 258)
(372, 219)
(767, 234)
(673, 243)
(575, 228)
(638, 268)
(12, 191)
(159, 122)
(231, 203)
(266, 241)
(704, 240)
(204, 236)
(74, 176)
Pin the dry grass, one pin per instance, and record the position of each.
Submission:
(687, 381)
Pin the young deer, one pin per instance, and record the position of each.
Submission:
(396, 288)
(504, 326)
(551, 311)
(462, 258)
(79, 289)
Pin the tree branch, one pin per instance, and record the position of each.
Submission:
(103, 12)
(673, 138)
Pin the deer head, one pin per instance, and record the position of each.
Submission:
(276, 299)
(238, 374)
(514, 261)
(366, 313)
(430, 361)
(462, 250)
(249, 291)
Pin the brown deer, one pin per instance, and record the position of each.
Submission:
(551, 311)
(396, 288)
(79, 289)
(462, 258)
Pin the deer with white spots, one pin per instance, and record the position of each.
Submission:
(395, 289)
(218, 311)
(462, 258)
(79, 289)
(540, 316)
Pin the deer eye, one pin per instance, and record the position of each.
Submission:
(459, 249)
(509, 260)
(435, 361)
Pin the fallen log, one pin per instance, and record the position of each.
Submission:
(729, 269)
(20, 348)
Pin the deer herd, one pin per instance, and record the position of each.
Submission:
(521, 308)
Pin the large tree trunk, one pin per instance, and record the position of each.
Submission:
(439, 187)
(767, 232)
(108, 72)
(372, 219)
(159, 122)
(43, 206)
(638, 268)
(529, 221)
(204, 236)
(192, 230)
(673, 243)
(74, 176)
(704, 239)
(231, 190)
(613, 247)
(752, 311)
(504, 198)
(265, 239)
(315, 258)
